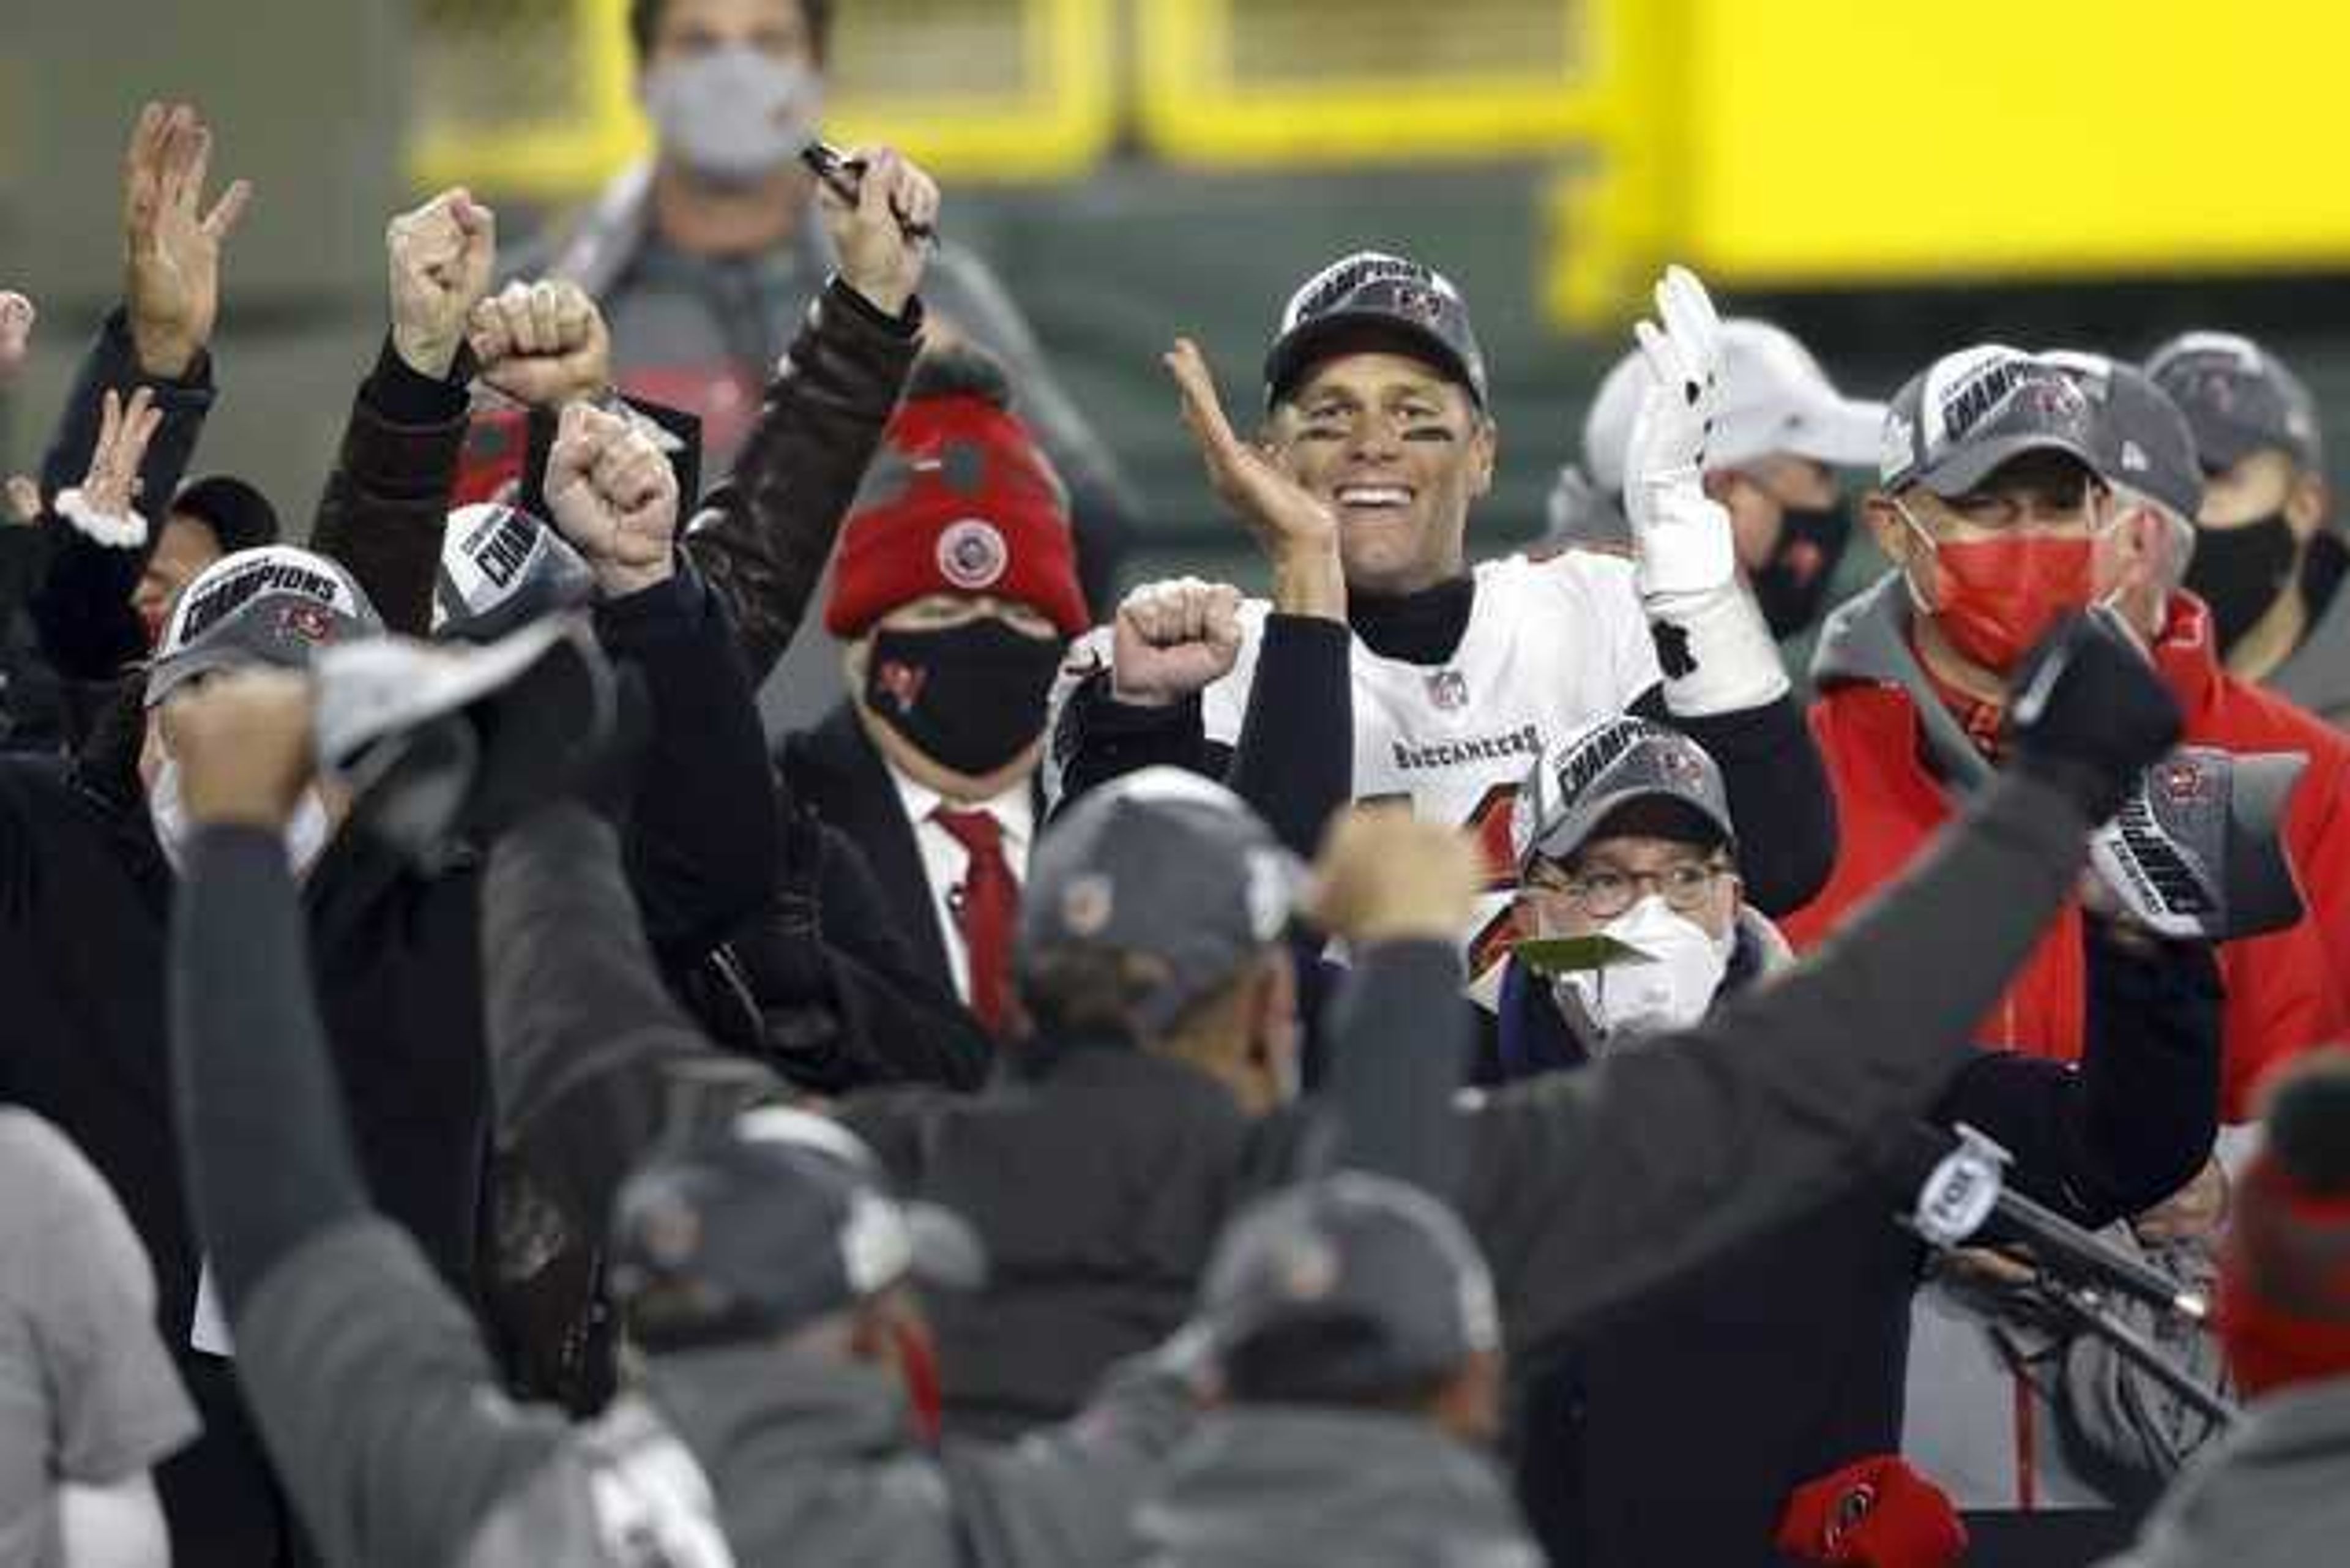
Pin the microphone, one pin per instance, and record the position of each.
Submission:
(1967, 1188)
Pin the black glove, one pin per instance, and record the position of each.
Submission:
(2087, 713)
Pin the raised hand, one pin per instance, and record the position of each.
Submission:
(1172, 639)
(243, 742)
(1385, 876)
(613, 495)
(171, 242)
(441, 256)
(1683, 538)
(104, 504)
(1299, 533)
(16, 318)
(544, 344)
(878, 258)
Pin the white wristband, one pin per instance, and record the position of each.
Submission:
(1716, 650)
(118, 531)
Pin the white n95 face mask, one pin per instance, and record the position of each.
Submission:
(1672, 989)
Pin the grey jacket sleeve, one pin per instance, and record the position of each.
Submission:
(1587, 1188)
(591, 1060)
(382, 1410)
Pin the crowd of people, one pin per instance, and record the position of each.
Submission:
(1454, 1060)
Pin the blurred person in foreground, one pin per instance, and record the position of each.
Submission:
(88, 1400)
(1783, 437)
(704, 256)
(1796, 1341)
(1379, 435)
(1151, 959)
(2266, 561)
(2272, 1492)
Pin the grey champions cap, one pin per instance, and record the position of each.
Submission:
(1346, 1287)
(1372, 291)
(502, 569)
(2239, 397)
(2142, 439)
(1170, 867)
(275, 606)
(765, 1225)
(2196, 849)
(1955, 423)
(1594, 771)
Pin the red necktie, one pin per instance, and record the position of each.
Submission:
(988, 905)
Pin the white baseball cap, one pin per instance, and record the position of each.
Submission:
(1774, 398)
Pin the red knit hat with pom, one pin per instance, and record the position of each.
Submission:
(958, 500)
(2284, 1272)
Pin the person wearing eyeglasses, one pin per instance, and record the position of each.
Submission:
(1795, 1344)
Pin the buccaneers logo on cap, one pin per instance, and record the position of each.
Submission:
(973, 555)
(309, 622)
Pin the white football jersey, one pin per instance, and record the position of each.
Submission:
(1551, 644)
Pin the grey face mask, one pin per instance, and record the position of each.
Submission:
(734, 115)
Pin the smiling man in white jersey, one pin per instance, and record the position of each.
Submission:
(1379, 416)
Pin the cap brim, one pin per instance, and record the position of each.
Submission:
(2264, 894)
(1962, 471)
(167, 675)
(1314, 340)
(1841, 434)
(1579, 826)
(436, 679)
(946, 1251)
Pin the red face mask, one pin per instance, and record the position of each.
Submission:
(1995, 599)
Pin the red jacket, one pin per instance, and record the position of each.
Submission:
(2283, 995)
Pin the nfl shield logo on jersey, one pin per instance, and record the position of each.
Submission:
(1448, 689)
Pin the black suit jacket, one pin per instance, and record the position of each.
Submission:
(835, 771)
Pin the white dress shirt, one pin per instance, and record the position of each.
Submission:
(946, 862)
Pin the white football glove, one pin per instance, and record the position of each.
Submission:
(1684, 538)
(1717, 654)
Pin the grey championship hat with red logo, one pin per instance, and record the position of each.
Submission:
(1170, 867)
(275, 606)
(1598, 769)
(502, 569)
(2144, 441)
(766, 1224)
(1380, 296)
(2239, 398)
(1953, 424)
(1346, 1288)
(2197, 850)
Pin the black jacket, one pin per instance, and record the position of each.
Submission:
(1794, 1344)
(836, 772)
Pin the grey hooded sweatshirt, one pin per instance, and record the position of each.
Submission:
(2274, 1494)
(1269, 1486)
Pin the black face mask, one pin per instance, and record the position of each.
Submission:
(969, 697)
(1792, 584)
(2242, 572)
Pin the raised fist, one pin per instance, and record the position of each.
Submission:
(612, 494)
(543, 344)
(1385, 876)
(243, 742)
(1172, 638)
(440, 257)
(879, 257)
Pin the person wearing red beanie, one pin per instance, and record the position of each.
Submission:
(954, 593)
(2276, 1490)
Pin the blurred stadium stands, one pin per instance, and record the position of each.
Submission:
(1893, 178)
